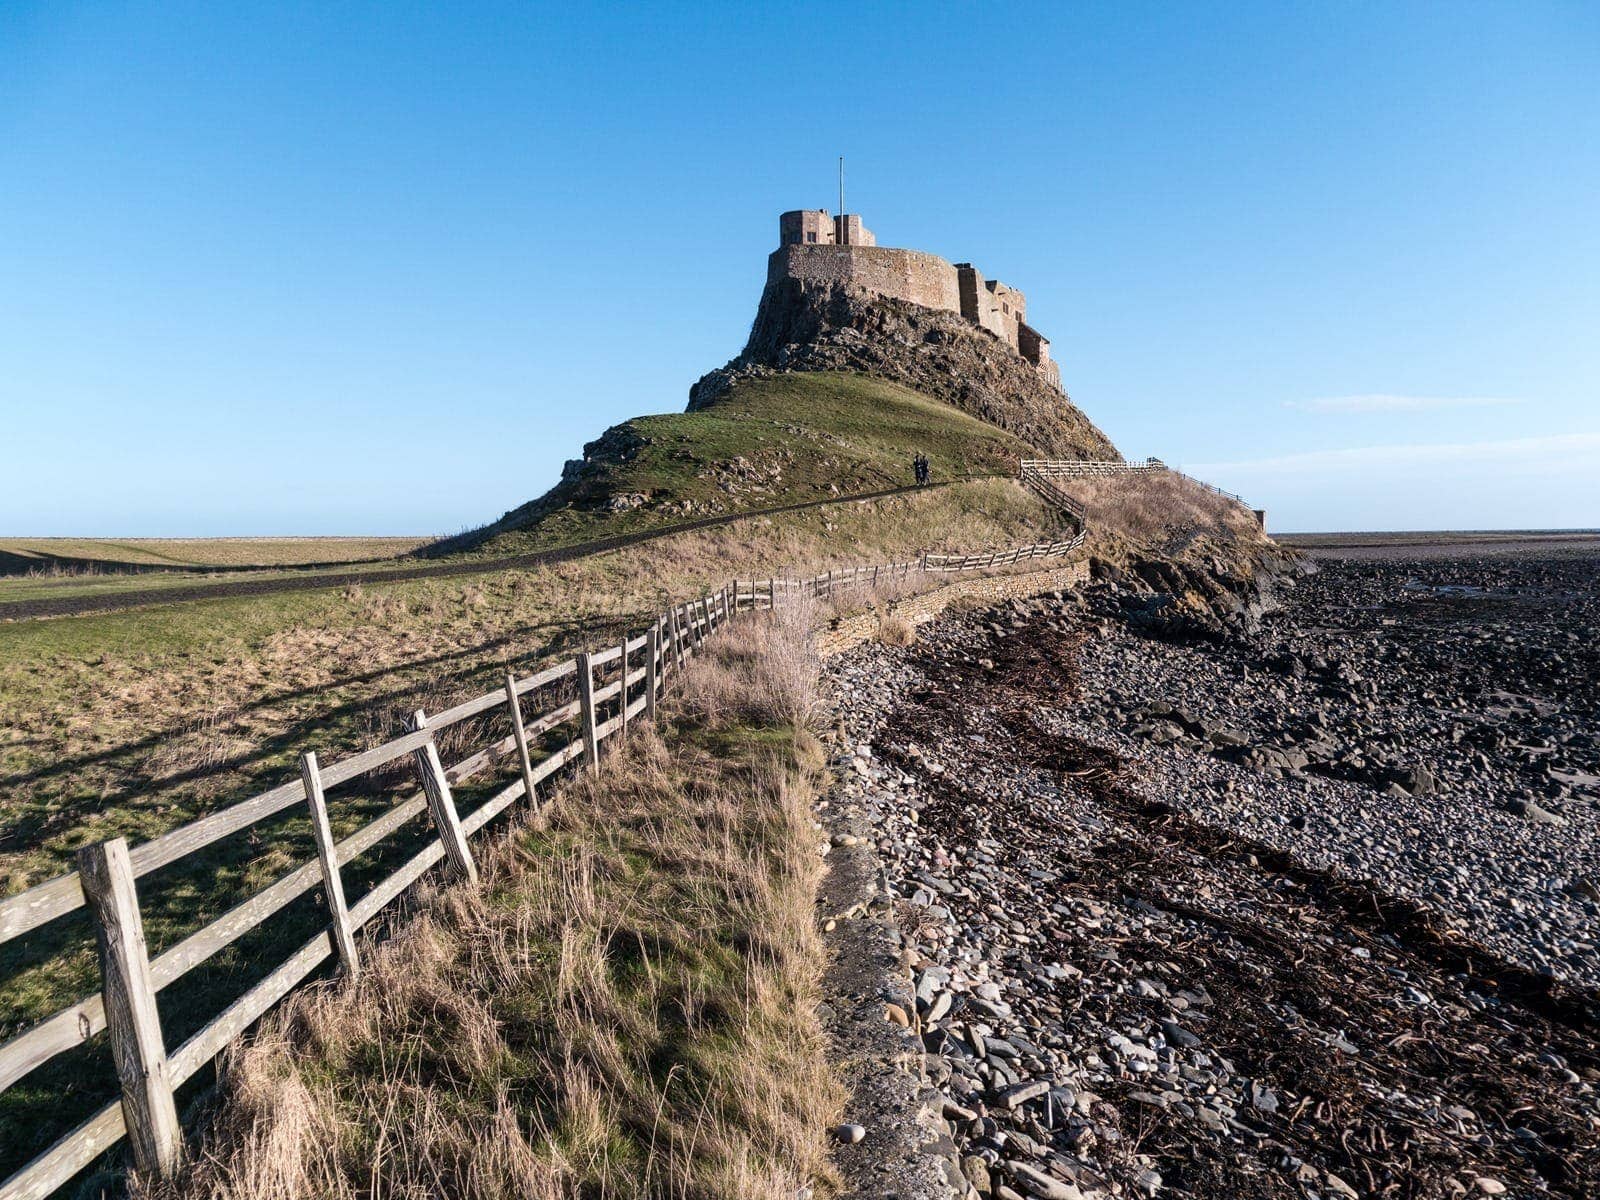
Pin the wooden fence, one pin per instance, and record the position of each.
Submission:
(1041, 471)
(1079, 468)
(609, 689)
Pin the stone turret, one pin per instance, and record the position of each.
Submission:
(819, 227)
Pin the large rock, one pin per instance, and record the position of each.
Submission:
(802, 327)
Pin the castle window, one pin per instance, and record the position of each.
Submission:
(811, 237)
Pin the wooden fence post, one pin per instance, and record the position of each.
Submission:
(442, 804)
(622, 700)
(772, 593)
(652, 672)
(344, 940)
(524, 761)
(591, 740)
(132, 1019)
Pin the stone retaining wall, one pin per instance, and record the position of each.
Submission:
(845, 632)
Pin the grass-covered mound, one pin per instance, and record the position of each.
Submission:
(784, 439)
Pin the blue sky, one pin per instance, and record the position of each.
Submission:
(381, 268)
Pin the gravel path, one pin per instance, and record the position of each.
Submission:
(1152, 960)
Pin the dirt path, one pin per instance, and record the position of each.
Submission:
(317, 578)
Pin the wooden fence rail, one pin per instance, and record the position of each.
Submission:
(1037, 471)
(613, 686)
(1078, 468)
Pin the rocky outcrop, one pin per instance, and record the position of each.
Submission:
(1196, 598)
(834, 327)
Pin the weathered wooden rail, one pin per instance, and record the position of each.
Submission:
(577, 706)
(1040, 472)
(1082, 468)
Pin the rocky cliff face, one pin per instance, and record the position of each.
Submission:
(833, 327)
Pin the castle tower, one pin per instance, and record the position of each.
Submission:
(806, 227)
(819, 227)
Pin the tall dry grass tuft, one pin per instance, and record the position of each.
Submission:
(623, 1008)
(895, 630)
(1160, 510)
(765, 673)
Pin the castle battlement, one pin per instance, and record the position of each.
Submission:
(817, 248)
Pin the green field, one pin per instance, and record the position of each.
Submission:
(69, 555)
(52, 568)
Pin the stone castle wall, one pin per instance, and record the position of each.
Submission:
(818, 250)
(909, 275)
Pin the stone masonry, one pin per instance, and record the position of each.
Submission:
(817, 249)
(847, 632)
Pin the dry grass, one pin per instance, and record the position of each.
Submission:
(1160, 512)
(623, 1008)
(93, 701)
(895, 630)
(135, 723)
(767, 675)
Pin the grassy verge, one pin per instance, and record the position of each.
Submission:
(133, 723)
(623, 1008)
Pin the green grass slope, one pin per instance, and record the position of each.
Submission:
(788, 439)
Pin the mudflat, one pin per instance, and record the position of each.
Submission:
(1461, 544)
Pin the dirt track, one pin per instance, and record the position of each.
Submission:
(314, 579)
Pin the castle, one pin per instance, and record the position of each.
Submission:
(817, 248)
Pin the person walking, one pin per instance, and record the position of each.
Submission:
(927, 471)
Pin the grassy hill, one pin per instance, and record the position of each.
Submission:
(786, 439)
